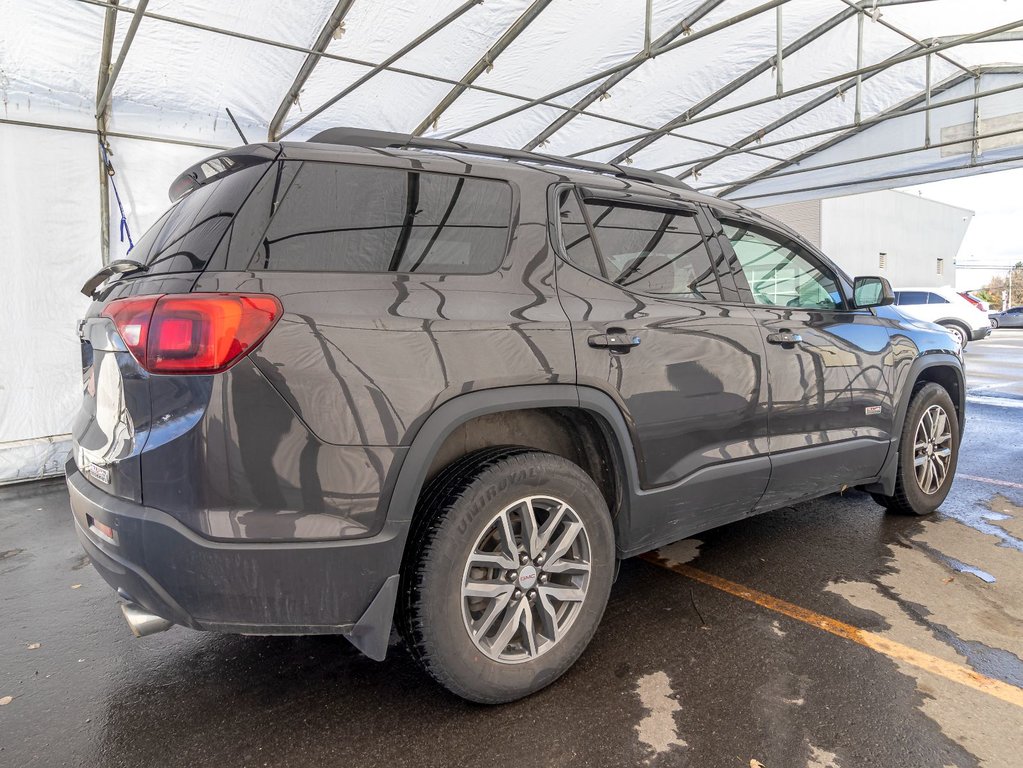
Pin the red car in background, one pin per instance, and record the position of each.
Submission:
(980, 304)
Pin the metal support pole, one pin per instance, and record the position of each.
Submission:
(405, 49)
(913, 52)
(887, 177)
(311, 60)
(859, 65)
(903, 110)
(647, 25)
(106, 50)
(108, 87)
(733, 186)
(976, 121)
(927, 102)
(483, 65)
(779, 56)
(682, 28)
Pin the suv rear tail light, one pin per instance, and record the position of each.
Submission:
(193, 333)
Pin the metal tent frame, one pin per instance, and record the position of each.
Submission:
(788, 155)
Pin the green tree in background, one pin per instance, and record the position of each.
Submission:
(993, 291)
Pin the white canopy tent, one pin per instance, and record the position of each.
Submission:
(761, 102)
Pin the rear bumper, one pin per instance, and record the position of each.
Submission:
(980, 333)
(337, 587)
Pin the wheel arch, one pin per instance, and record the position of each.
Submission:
(961, 324)
(595, 410)
(940, 368)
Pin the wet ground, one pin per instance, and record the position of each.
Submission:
(681, 672)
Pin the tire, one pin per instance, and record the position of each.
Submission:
(994, 323)
(911, 497)
(961, 334)
(462, 513)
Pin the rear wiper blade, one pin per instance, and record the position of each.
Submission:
(118, 267)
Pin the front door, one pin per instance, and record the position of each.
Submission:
(654, 328)
(831, 411)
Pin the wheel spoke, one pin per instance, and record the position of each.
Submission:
(530, 532)
(509, 626)
(562, 544)
(548, 617)
(494, 610)
(528, 628)
(919, 460)
(562, 593)
(564, 565)
(940, 422)
(551, 526)
(926, 485)
(493, 560)
(487, 589)
(507, 536)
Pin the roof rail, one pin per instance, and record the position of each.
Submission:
(364, 137)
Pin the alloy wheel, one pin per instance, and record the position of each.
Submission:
(526, 579)
(932, 449)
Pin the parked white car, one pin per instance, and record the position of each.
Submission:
(945, 307)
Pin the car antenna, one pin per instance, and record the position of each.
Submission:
(236, 126)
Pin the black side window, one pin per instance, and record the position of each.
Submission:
(912, 297)
(354, 218)
(185, 237)
(648, 250)
(934, 298)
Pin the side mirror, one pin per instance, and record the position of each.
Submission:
(872, 292)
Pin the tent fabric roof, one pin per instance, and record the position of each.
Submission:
(685, 85)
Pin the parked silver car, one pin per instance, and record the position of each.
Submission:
(1009, 318)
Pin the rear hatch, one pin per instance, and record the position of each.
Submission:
(116, 419)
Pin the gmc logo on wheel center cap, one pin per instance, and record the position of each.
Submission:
(527, 577)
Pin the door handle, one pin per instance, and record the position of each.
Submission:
(784, 337)
(615, 340)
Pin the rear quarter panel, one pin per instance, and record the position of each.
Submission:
(364, 358)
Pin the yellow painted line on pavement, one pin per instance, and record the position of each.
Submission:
(957, 673)
(990, 480)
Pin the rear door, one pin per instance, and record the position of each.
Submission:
(831, 412)
(655, 327)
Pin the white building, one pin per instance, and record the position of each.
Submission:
(911, 240)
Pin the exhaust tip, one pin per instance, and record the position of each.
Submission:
(142, 622)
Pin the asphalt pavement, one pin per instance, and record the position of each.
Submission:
(826, 635)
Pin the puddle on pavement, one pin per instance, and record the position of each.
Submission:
(954, 589)
(657, 730)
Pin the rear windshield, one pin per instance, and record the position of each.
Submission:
(185, 237)
(333, 217)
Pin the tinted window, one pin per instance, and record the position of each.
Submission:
(911, 297)
(779, 272)
(934, 298)
(575, 235)
(656, 251)
(351, 218)
(184, 238)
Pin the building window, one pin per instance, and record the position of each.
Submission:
(941, 266)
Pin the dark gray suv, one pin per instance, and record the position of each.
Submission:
(370, 377)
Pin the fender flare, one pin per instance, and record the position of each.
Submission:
(886, 479)
(458, 410)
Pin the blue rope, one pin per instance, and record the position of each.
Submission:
(117, 197)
